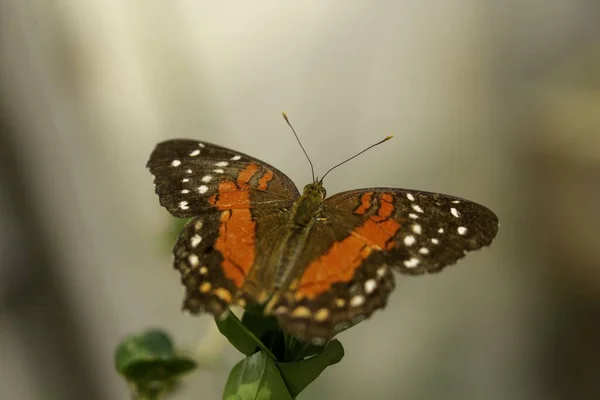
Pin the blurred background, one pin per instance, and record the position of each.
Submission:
(497, 102)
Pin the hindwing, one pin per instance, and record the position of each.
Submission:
(362, 235)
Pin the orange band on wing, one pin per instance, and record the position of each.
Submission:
(236, 232)
(232, 196)
(386, 208)
(365, 203)
(247, 173)
(344, 257)
(236, 244)
(264, 181)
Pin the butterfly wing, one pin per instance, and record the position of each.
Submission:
(187, 173)
(223, 262)
(430, 230)
(236, 199)
(362, 235)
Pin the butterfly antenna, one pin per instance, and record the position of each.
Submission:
(388, 137)
(312, 169)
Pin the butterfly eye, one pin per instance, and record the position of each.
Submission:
(322, 191)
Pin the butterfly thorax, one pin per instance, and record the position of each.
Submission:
(308, 206)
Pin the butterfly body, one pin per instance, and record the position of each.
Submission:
(319, 264)
(303, 217)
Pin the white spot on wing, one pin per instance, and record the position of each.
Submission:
(183, 205)
(413, 216)
(222, 164)
(176, 163)
(189, 171)
(185, 191)
(455, 212)
(195, 240)
(194, 260)
(417, 208)
(409, 240)
(417, 229)
(203, 189)
(381, 271)
(424, 250)
(185, 180)
(435, 241)
(218, 171)
(357, 301)
(441, 230)
(461, 230)
(455, 201)
(207, 178)
(370, 285)
(411, 263)
(410, 197)
(235, 158)
(201, 145)
(195, 153)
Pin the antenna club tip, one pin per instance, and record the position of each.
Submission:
(388, 137)
(284, 115)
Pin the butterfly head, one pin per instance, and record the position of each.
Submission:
(308, 205)
(315, 191)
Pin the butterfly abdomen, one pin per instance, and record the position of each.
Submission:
(302, 219)
(292, 245)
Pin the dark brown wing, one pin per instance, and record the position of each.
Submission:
(220, 254)
(431, 230)
(360, 237)
(236, 200)
(188, 172)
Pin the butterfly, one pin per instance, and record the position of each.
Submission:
(318, 264)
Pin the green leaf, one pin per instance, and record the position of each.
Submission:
(150, 356)
(258, 324)
(298, 375)
(256, 378)
(239, 336)
(307, 350)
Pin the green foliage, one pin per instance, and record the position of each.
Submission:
(240, 336)
(150, 365)
(256, 378)
(277, 366)
(282, 367)
(298, 375)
